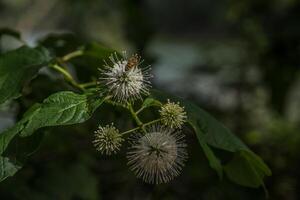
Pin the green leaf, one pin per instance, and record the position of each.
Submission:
(247, 161)
(17, 67)
(21, 148)
(7, 168)
(98, 51)
(214, 161)
(61, 44)
(62, 108)
(151, 102)
(92, 58)
(212, 133)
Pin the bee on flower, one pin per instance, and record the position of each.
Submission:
(124, 78)
(157, 156)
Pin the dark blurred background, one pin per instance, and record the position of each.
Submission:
(238, 59)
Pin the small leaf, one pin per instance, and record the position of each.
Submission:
(18, 67)
(98, 51)
(62, 108)
(7, 168)
(151, 102)
(93, 56)
(210, 132)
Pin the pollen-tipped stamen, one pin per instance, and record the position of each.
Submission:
(158, 156)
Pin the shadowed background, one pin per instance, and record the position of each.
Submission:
(237, 59)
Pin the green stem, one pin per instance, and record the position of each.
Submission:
(141, 127)
(130, 131)
(72, 55)
(152, 122)
(115, 103)
(68, 77)
(140, 110)
(135, 117)
(88, 84)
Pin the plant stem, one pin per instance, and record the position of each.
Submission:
(68, 77)
(72, 55)
(115, 103)
(135, 117)
(130, 131)
(152, 122)
(141, 127)
(88, 84)
(140, 110)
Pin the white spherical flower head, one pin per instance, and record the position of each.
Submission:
(108, 140)
(124, 80)
(173, 115)
(158, 156)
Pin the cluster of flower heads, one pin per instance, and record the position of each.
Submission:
(158, 152)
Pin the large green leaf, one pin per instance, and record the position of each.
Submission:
(62, 108)
(18, 67)
(7, 168)
(212, 133)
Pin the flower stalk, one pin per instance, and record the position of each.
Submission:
(67, 76)
(142, 126)
(71, 55)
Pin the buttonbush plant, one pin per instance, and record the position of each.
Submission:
(157, 152)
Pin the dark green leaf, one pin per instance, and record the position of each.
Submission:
(92, 58)
(98, 51)
(62, 43)
(21, 148)
(18, 67)
(7, 168)
(62, 108)
(246, 161)
(151, 102)
(210, 132)
(214, 161)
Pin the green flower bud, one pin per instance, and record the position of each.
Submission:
(108, 140)
(173, 115)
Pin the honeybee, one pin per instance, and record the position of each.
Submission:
(133, 61)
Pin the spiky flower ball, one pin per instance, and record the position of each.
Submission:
(124, 79)
(173, 115)
(108, 140)
(157, 156)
